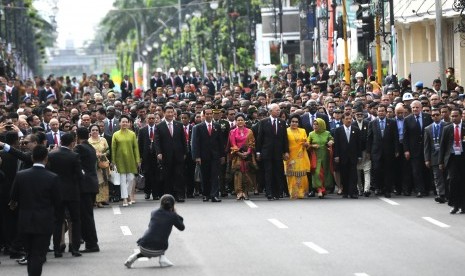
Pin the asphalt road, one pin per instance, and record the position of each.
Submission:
(334, 236)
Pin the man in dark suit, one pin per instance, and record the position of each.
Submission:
(364, 168)
(413, 142)
(156, 80)
(37, 204)
(383, 148)
(452, 159)
(126, 88)
(146, 139)
(170, 146)
(312, 115)
(88, 188)
(179, 79)
(347, 153)
(433, 140)
(189, 164)
(54, 135)
(208, 152)
(67, 165)
(272, 147)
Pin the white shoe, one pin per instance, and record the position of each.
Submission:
(131, 260)
(164, 262)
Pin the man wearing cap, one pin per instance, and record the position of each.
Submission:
(186, 78)
(126, 88)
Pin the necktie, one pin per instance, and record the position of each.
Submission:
(274, 127)
(170, 127)
(151, 133)
(209, 129)
(436, 133)
(381, 126)
(348, 134)
(186, 132)
(110, 125)
(313, 119)
(457, 136)
(418, 122)
(55, 138)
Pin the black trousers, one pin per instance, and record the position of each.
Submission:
(382, 174)
(189, 171)
(8, 227)
(274, 177)
(88, 231)
(349, 178)
(152, 177)
(36, 246)
(402, 173)
(421, 175)
(456, 176)
(210, 182)
(172, 178)
(74, 208)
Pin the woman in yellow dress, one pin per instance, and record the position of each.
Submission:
(298, 165)
(103, 150)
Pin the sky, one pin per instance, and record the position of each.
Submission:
(76, 20)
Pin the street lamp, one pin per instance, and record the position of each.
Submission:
(214, 6)
(156, 45)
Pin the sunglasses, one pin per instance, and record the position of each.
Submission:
(435, 115)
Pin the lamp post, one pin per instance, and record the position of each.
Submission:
(234, 15)
(214, 6)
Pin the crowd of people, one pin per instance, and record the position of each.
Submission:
(296, 134)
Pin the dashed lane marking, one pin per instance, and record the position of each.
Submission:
(116, 210)
(126, 231)
(316, 248)
(277, 223)
(392, 202)
(436, 222)
(250, 204)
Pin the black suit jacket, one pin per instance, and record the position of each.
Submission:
(413, 136)
(269, 144)
(207, 147)
(305, 119)
(88, 157)
(385, 146)
(171, 148)
(363, 133)
(156, 82)
(146, 146)
(447, 141)
(348, 153)
(9, 167)
(35, 190)
(25, 157)
(67, 165)
(178, 81)
(126, 88)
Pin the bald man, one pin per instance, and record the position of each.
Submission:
(54, 135)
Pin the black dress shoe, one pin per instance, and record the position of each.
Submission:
(90, 250)
(147, 196)
(156, 198)
(419, 195)
(367, 194)
(180, 199)
(76, 253)
(62, 248)
(270, 197)
(345, 196)
(58, 254)
(377, 192)
(387, 195)
(354, 196)
(215, 199)
(22, 261)
(276, 197)
(205, 199)
(454, 210)
(440, 199)
(311, 194)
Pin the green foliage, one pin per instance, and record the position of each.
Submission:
(359, 64)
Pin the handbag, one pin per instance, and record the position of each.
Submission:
(103, 162)
(197, 174)
(115, 177)
(140, 181)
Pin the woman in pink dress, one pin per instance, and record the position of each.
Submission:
(243, 165)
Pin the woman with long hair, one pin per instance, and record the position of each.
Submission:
(103, 151)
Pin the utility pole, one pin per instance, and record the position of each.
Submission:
(346, 46)
(379, 73)
(440, 46)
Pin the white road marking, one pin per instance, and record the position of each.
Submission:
(250, 203)
(126, 231)
(116, 210)
(143, 259)
(392, 202)
(316, 248)
(277, 223)
(436, 222)
(361, 274)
